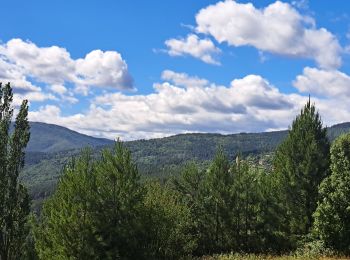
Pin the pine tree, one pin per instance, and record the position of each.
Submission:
(301, 163)
(65, 229)
(14, 199)
(96, 211)
(118, 205)
(246, 198)
(217, 204)
(332, 216)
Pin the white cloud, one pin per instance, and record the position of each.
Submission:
(103, 69)
(203, 49)
(325, 83)
(23, 62)
(183, 79)
(248, 104)
(32, 97)
(278, 28)
(59, 89)
(184, 103)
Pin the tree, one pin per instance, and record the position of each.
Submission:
(189, 186)
(301, 163)
(118, 206)
(332, 216)
(245, 211)
(65, 229)
(96, 211)
(217, 205)
(14, 199)
(167, 223)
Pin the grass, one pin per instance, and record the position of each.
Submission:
(269, 257)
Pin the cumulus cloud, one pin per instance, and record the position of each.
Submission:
(247, 104)
(103, 69)
(203, 49)
(183, 79)
(23, 62)
(59, 89)
(278, 28)
(325, 83)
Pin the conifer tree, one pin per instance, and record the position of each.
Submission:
(14, 200)
(332, 216)
(65, 229)
(118, 206)
(95, 212)
(301, 163)
(217, 204)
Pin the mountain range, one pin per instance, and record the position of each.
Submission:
(52, 146)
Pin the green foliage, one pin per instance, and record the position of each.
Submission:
(332, 217)
(14, 200)
(233, 207)
(118, 203)
(157, 158)
(48, 138)
(95, 212)
(65, 229)
(168, 224)
(101, 210)
(302, 162)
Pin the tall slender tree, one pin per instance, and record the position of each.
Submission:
(14, 200)
(301, 163)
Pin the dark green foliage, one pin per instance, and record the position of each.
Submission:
(302, 162)
(233, 207)
(332, 217)
(14, 200)
(95, 212)
(101, 210)
(157, 158)
(65, 228)
(118, 205)
(167, 224)
(217, 205)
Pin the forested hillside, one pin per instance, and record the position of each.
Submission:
(49, 138)
(161, 157)
(270, 193)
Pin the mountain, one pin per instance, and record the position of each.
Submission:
(51, 147)
(48, 138)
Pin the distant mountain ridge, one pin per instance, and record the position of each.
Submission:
(51, 147)
(49, 138)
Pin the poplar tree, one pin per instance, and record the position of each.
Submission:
(301, 163)
(14, 200)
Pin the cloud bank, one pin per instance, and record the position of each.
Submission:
(30, 68)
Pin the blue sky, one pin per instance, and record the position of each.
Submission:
(155, 68)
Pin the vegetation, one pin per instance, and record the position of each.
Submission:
(156, 158)
(301, 163)
(332, 216)
(292, 204)
(14, 200)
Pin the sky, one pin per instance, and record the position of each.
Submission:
(148, 69)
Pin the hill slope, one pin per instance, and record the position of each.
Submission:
(48, 138)
(156, 157)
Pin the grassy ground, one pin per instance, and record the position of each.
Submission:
(267, 257)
